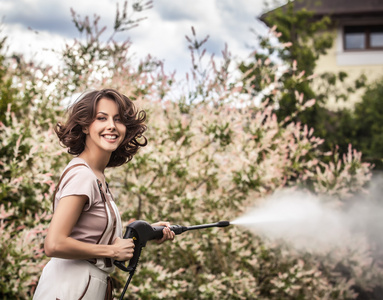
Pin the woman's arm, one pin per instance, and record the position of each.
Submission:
(58, 242)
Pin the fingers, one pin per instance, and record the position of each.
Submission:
(167, 235)
(129, 246)
(124, 249)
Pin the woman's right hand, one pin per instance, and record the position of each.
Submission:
(123, 249)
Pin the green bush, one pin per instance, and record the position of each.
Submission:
(369, 122)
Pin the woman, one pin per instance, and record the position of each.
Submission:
(84, 237)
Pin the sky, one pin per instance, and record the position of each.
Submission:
(35, 26)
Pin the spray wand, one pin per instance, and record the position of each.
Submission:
(141, 232)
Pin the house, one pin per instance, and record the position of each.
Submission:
(358, 29)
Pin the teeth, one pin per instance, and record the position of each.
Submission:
(110, 137)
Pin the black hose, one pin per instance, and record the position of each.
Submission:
(126, 285)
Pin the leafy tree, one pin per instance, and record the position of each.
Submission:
(368, 135)
(306, 39)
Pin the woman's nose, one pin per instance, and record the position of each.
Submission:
(111, 124)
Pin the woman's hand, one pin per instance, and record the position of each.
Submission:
(167, 233)
(123, 249)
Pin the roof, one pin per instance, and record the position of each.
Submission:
(338, 8)
(341, 7)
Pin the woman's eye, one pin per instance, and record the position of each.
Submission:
(117, 120)
(101, 118)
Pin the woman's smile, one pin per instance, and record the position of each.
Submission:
(110, 137)
(107, 131)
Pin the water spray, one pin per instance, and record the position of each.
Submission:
(141, 232)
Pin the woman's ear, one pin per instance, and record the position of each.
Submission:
(85, 130)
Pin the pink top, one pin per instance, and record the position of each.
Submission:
(92, 222)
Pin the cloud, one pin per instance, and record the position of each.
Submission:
(178, 10)
(36, 47)
(38, 15)
(161, 34)
(54, 16)
(225, 21)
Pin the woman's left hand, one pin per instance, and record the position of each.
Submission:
(167, 233)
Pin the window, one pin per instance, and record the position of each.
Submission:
(363, 37)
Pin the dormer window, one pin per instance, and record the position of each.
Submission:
(365, 37)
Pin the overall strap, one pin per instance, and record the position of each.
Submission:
(61, 178)
(108, 261)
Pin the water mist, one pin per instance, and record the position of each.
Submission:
(307, 222)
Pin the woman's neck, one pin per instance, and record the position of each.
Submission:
(97, 163)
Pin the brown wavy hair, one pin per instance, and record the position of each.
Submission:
(83, 112)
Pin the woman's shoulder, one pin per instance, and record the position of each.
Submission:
(79, 163)
(78, 179)
(78, 168)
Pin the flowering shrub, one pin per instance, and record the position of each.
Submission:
(212, 153)
(29, 157)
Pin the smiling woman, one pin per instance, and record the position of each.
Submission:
(89, 111)
(106, 132)
(107, 127)
(103, 130)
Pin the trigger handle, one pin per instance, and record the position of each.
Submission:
(130, 233)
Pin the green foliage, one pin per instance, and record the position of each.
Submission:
(27, 158)
(7, 90)
(368, 122)
(298, 27)
(302, 39)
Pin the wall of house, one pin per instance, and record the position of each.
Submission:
(354, 63)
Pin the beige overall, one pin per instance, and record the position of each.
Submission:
(72, 279)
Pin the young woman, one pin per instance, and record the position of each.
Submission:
(104, 129)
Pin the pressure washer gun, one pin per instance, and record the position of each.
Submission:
(142, 231)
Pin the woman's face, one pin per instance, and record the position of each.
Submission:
(107, 131)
